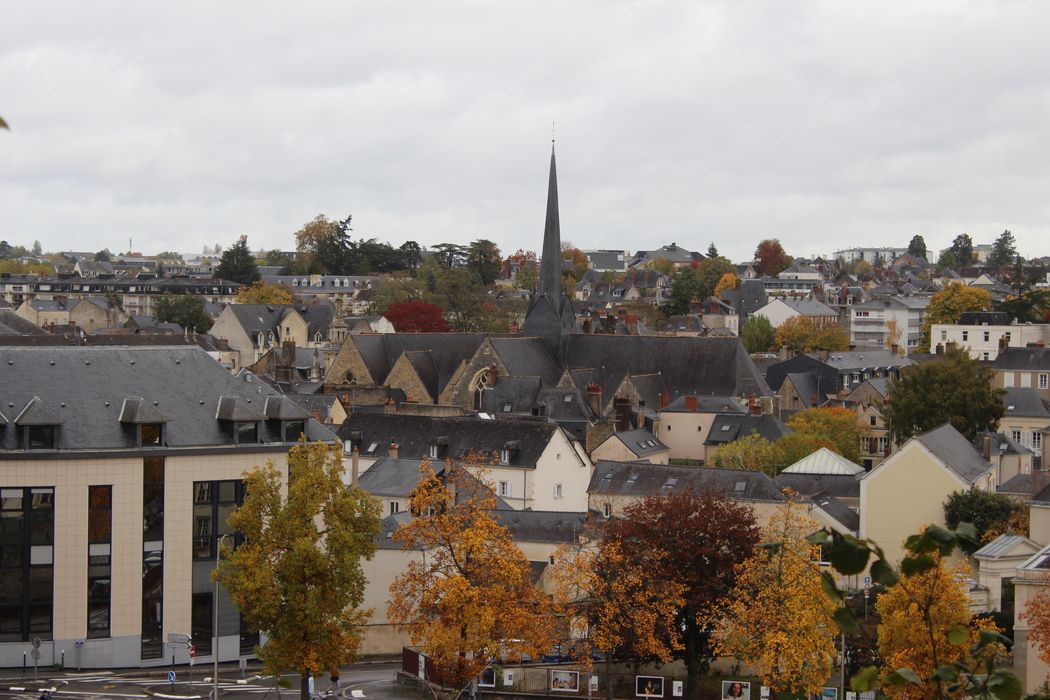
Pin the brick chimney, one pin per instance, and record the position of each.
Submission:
(632, 324)
(393, 450)
(663, 399)
(690, 403)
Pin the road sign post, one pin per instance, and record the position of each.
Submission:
(171, 679)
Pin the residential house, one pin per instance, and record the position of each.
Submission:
(843, 371)
(997, 563)
(730, 427)
(129, 459)
(531, 463)
(872, 255)
(632, 446)
(678, 256)
(252, 329)
(984, 334)
(780, 310)
(607, 260)
(801, 271)
(1027, 417)
(684, 424)
(908, 490)
(888, 323)
(868, 398)
(1027, 367)
(1008, 457)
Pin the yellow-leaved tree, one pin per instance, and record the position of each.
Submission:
(264, 293)
(801, 334)
(925, 624)
(469, 598)
(778, 619)
(947, 305)
(297, 575)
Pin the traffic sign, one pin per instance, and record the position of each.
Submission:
(36, 642)
(35, 654)
(867, 580)
(171, 677)
(176, 638)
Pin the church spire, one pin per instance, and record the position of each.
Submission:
(550, 261)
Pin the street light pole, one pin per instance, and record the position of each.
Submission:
(215, 619)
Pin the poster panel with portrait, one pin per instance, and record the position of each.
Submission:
(736, 690)
(565, 681)
(649, 686)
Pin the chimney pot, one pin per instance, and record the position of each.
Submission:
(690, 403)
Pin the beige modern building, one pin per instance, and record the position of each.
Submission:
(118, 469)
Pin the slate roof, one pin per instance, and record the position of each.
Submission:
(542, 526)
(641, 442)
(13, 324)
(449, 350)
(641, 479)
(1025, 403)
(527, 357)
(1025, 484)
(837, 485)
(256, 318)
(712, 366)
(1023, 359)
(730, 427)
(824, 461)
(458, 436)
(86, 388)
(865, 359)
(949, 446)
(810, 307)
(846, 516)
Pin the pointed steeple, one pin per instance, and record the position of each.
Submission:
(550, 261)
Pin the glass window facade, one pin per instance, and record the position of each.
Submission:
(152, 644)
(100, 527)
(213, 503)
(27, 533)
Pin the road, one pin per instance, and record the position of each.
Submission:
(375, 680)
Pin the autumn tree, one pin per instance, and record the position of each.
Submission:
(297, 575)
(947, 305)
(613, 601)
(416, 316)
(728, 281)
(709, 272)
(264, 293)
(703, 536)
(752, 452)
(926, 624)
(757, 335)
(392, 290)
(579, 261)
(990, 513)
(528, 275)
(950, 389)
(777, 618)
(793, 447)
(187, 310)
(801, 334)
(1037, 615)
(836, 424)
(771, 258)
(238, 264)
(470, 597)
(917, 247)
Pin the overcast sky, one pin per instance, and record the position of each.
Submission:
(826, 125)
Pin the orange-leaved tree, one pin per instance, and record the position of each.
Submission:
(778, 619)
(839, 425)
(926, 624)
(264, 293)
(468, 598)
(701, 536)
(613, 601)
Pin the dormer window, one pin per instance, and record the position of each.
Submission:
(292, 429)
(40, 437)
(504, 456)
(247, 433)
(151, 434)
(434, 451)
(37, 427)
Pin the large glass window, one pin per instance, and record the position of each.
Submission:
(201, 621)
(100, 525)
(27, 529)
(152, 644)
(213, 504)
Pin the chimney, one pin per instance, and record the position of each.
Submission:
(663, 399)
(622, 413)
(393, 450)
(355, 464)
(632, 324)
(754, 406)
(690, 403)
(594, 398)
(986, 448)
(224, 344)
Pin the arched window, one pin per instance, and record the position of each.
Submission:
(480, 382)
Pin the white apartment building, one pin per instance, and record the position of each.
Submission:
(882, 323)
(984, 334)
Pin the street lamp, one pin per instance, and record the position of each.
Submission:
(215, 619)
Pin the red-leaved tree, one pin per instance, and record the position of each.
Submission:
(702, 537)
(771, 258)
(416, 316)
